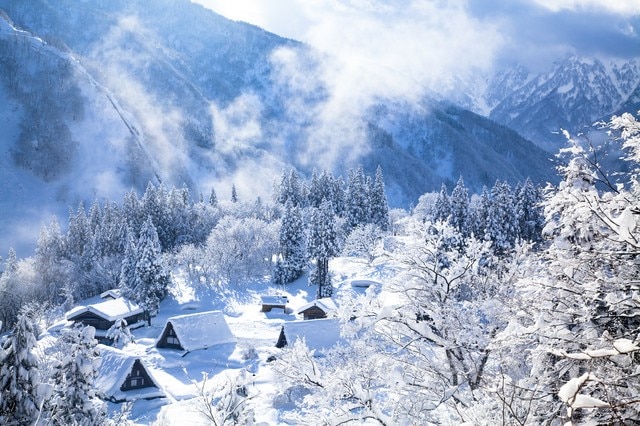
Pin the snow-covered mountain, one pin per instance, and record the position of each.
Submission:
(99, 97)
(575, 93)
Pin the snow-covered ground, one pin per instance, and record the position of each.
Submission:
(181, 375)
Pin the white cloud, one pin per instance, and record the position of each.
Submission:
(621, 7)
(372, 50)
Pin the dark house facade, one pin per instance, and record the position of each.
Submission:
(138, 378)
(313, 312)
(169, 338)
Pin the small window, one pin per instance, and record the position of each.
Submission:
(173, 340)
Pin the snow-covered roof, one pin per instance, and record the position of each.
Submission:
(116, 365)
(319, 334)
(200, 331)
(363, 283)
(326, 304)
(274, 300)
(110, 310)
(114, 293)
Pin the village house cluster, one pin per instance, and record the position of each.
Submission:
(126, 377)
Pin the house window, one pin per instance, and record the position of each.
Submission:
(136, 382)
(173, 340)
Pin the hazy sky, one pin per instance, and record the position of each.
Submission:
(531, 31)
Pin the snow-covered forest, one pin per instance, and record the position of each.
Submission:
(518, 305)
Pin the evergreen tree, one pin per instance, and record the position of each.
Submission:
(234, 194)
(292, 245)
(322, 246)
(442, 208)
(502, 222)
(459, 202)
(78, 234)
(357, 199)
(19, 374)
(51, 267)
(213, 198)
(481, 214)
(290, 188)
(74, 400)
(316, 191)
(151, 279)
(132, 211)
(530, 212)
(127, 279)
(155, 205)
(379, 205)
(95, 215)
(11, 293)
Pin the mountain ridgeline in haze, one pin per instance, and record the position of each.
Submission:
(99, 97)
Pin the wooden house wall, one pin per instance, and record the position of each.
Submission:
(169, 339)
(89, 318)
(138, 378)
(313, 312)
(100, 323)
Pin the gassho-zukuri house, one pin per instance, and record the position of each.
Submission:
(195, 331)
(103, 315)
(124, 377)
(319, 335)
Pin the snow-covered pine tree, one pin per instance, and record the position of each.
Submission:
(155, 205)
(11, 295)
(151, 278)
(316, 191)
(459, 202)
(502, 221)
(19, 375)
(213, 198)
(290, 188)
(78, 235)
(378, 202)
(357, 199)
(530, 212)
(95, 215)
(74, 400)
(292, 244)
(442, 207)
(234, 194)
(132, 211)
(51, 267)
(480, 214)
(322, 246)
(127, 278)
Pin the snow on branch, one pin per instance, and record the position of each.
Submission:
(620, 347)
(568, 393)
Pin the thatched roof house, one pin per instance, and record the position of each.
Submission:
(195, 331)
(320, 334)
(124, 377)
(103, 315)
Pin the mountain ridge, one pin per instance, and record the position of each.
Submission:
(210, 106)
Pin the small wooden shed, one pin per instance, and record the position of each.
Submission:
(271, 302)
(318, 309)
(195, 331)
